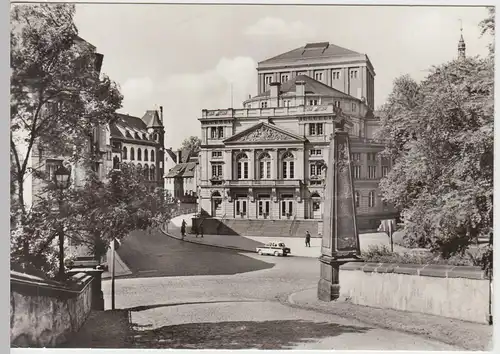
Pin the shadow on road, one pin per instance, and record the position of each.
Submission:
(283, 334)
(153, 254)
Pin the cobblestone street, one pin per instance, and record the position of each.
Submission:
(220, 299)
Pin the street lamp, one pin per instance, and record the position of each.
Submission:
(62, 181)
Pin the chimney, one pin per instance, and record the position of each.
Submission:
(275, 94)
(300, 92)
(179, 156)
(161, 114)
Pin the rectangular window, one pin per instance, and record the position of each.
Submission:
(371, 199)
(51, 167)
(216, 154)
(371, 156)
(217, 170)
(313, 169)
(268, 79)
(336, 103)
(356, 156)
(318, 76)
(354, 74)
(336, 75)
(356, 199)
(268, 169)
(385, 171)
(354, 106)
(315, 152)
(312, 129)
(372, 172)
(284, 169)
(319, 128)
(356, 171)
(313, 102)
(213, 132)
(263, 104)
(245, 170)
(284, 78)
(292, 168)
(220, 132)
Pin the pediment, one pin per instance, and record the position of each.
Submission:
(263, 132)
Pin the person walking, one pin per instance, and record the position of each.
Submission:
(201, 230)
(308, 239)
(183, 228)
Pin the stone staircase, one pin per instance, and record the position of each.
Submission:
(267, 228)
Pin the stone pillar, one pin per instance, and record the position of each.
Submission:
(340, 241)
(97, 295)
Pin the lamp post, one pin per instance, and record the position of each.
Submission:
(62, 182)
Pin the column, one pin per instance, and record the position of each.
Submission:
(228, 164)
(340, 240)
(251, 164)
(300, 164)
(274, 163)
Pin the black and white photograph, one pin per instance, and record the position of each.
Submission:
(233, 176)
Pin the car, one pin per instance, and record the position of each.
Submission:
(274, 248)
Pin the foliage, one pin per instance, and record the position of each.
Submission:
(91, 216)
(191, 144)
(441, 142)
(57, 94)
(382, 254)
(488, 27)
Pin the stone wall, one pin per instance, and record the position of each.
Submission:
(458, 292)
(44, 313)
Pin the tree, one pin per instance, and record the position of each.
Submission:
(440, 135)
(191, 144)
(57, 95)
(92, 217)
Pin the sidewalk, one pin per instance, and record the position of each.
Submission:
(121, 268)
(468, 335)
(249, 243)
(103, 329)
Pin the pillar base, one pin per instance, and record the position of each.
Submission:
(328, 291)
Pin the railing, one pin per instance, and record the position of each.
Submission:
(269, 112)
(263, 182)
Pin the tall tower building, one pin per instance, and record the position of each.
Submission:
(461, 44)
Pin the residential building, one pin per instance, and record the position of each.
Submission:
(170, 162)
(139, 141)
(182, 178)
(267, 160)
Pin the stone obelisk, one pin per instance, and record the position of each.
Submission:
(340, 243)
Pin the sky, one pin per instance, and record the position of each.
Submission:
(188, 57)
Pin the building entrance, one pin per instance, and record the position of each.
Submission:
(264, 206)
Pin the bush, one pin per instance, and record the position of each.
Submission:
(382, 254)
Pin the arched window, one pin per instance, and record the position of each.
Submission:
(264, 166)
(145, 172)
(288, 166)
(125, 154)
(371, 199)
(145, 155)
(152, 155)
(242, 163)
(356, 199)
(152, 173)
(139, 154)
(132, 154)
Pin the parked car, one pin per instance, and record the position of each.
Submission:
(274, 248)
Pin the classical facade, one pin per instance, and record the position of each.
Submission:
(267, 160)
(139, 141)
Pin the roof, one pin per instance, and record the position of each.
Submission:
(311, 87)
(183, 170)
(312, 50)
(152, 119)
(130, 127)
(172, 154)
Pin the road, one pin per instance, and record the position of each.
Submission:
(188, 296)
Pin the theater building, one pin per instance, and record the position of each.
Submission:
(267, 160)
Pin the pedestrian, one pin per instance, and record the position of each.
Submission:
(308, 239)
(201, 229)
(183, 228)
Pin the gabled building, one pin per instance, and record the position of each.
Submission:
(182, 178)
(267, 160)
(139, 141)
